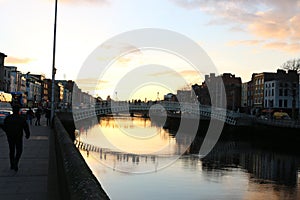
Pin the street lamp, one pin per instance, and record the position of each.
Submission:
(53, 65)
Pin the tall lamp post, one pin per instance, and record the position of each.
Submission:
(53, 65)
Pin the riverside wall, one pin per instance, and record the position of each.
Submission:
(74, 178)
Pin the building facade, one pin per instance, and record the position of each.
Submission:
(218, 90)
(244, 97)
(2, 58)
(281, 94)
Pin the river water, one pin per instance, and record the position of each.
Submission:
(134, 158)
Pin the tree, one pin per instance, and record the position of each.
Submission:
(293, 64)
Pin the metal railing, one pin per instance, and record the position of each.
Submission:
(191, 110)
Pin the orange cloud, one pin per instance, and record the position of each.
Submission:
(245, 42)
(189, 73)
(276, 26)
(275, 21)
(15, 60)
(284, 46)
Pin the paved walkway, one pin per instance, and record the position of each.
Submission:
(31, 181)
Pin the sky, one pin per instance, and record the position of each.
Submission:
(239, 36)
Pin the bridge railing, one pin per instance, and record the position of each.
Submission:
(187, 109)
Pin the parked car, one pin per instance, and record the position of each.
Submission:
(3, 115)
(264, 117)
(23, 111)
(281, 115)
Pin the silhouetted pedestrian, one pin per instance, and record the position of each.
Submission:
(29, 115)
(48, 115)
(14, 125)
(38, 117)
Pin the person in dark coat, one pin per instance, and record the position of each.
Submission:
(48, 115)
(38, 117)
(29, 115)
(14, 125)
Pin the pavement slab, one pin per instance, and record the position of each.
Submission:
(30, 182)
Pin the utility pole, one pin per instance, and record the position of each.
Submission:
(53, 65)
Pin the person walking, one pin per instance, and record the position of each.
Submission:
(14, 125)
(48, 115)
(29, 115)
(38, 117)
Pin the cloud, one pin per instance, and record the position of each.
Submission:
(284, 46)
(99, 2)
(91, 84)
(91, 81)
(189, 73)
(126, 52)
(275, 21)
(245, 42)
(15, 60)
(163, 73)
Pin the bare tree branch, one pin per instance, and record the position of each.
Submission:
(291, 65)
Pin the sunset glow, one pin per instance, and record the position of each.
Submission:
(241, 37)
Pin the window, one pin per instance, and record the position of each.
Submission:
(280, 92)
(271, 103)
(285, 103)
(280, 103)
(266, 93)
(272, 92)
(266, 103)
(285, 92)
(272, 84)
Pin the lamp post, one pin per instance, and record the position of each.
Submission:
(53, 65)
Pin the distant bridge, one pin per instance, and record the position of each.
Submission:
(172, 109)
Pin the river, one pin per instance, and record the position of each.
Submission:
(138, 159)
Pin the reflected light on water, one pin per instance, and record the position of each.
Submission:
(136, 136)
(233, 170)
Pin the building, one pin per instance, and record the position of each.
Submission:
(43, 96)
(47, 94)
(244, 97)
(233, 89)
(67, 93)
(33, 90)
(281, 95)
(202, 93)
(16, 80)
(186, 96)
(2, 58)
(7, 79)
(216, 90)
(170, 97)
(278, 89)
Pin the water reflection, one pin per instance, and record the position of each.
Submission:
(232, 170)
(136, 139)
(264, 166)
